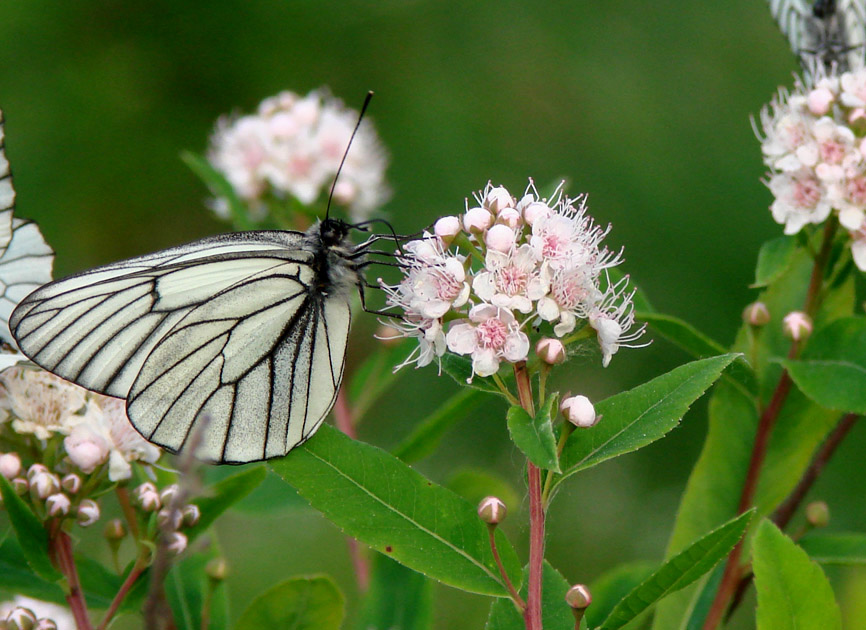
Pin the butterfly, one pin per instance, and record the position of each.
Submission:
(243, 335)
(826, 31)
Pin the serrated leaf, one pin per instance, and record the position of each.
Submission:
(398, 598)
(774, 258)
(678, 572)
(793, 592)
(612, 586)
(427, 435)
(555, 613)
(534, 436)
(638, 417)
(378, 499)
(474, 484)
(308, 603)
(220, 187)
(31, 535)
(832, 369)
(845, 549)
(460, 369)
(188, 590)
(222, 495)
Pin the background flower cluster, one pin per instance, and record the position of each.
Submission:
(484, 281)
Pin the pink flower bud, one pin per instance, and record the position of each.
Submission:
(551, 351)
(492, 510)
(44, 484)
(10, 465)
(45, 624)
(58, 504)
(756, 314)
(148, 497)
(169, 493)
(534, 211)
(819, 100)
(86, 448)
(578, 596)
(477, 220)
(190, 515)
(797, 326)
(818, 514)
(509, 217)
(500, 238)
(498, 199)
(21, 618)
(88, 512)
(447, 228)
(168, 518)
(579, 411)
(176, 543)
(217, 569)
(115, 530)
(71, 483)
(36, 469)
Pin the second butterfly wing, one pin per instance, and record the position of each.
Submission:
(229, 331)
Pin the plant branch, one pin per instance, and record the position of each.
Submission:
(515, 596)
(134, 573)
(75, 596)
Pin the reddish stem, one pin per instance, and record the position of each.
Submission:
(128, 512)
(518, 600)
(137, 570)
(75, 596)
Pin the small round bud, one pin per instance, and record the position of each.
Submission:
(447, 228)
(477, 220)
(819, 100)
(534, 211)
(115, 530)
(71, 483)
(169, 518)
(497, 199)
(88, 512)
(57, 504)
(43, 484)
(818, 514)
(45, 624)
(36, 469)
(217, 569)
(169, 493)
(10, 465)
(21, 619)
(550, 350)
(797, 326)
(492, 510)
(510, 217)
(578, 410)
(148, 497)
(578, 597)
(190, 515)
(756, 314)
(176, 543)
(20, 485)
(500, 238)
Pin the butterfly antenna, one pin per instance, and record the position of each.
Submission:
(346, 153)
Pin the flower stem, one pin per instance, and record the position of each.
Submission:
(515, 596)
(532, 614)
(75, 596)
(567, 429)
(137, 569)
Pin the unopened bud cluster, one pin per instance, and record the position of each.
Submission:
(170, 516)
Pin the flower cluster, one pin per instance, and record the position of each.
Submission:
(484, 281)
(815, 146)
(293, 146)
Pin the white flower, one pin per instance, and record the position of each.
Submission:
(38, 402)
(430, 337)
(573, 294)
(613, 319)
(800, 199)
(853, 88)
(490, 335)
(511, 279)
(858, 245)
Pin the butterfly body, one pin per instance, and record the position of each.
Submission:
(244, 333)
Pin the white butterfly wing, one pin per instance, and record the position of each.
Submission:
(852, 13)
(797, 23)
(225, 328)
(840, 36)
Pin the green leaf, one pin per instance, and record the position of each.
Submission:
(307, 603)
(427, 435)
(638, 417)
(835, 548)
(612, 586)
(378, 499)
(555, 613)
(832, 369)
(713, 491)
(534, 436)
(678, 572)
(29, 531)
(220, 187)
(398, 598)
(222, 495)
(793, 592)
(474, 484)
(460, 369)
(189, 589)
(775, 257)
(17, 577)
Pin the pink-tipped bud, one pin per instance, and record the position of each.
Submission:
(510, 217)
(497, 199)
(45, 624)
(447, 228)
(492, 510)
(579, 598)
(57, 505)
(797, 326)
(190, 515)
(217, 569)
(176, 543)
(550, 350)
(43, 484)
(476, 220)
(20, 485)
(500, 238)
(818, 514)
(756, 314)
(35, 469)
(71, 483)
(88, 512)
(169, 494)
(148, 497)
(578, 410)
(21, 619)
(10, 465)
(115, 530)
(820, 100)
(169, 518)
(535, 210)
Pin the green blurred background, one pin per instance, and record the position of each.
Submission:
(645, 106)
